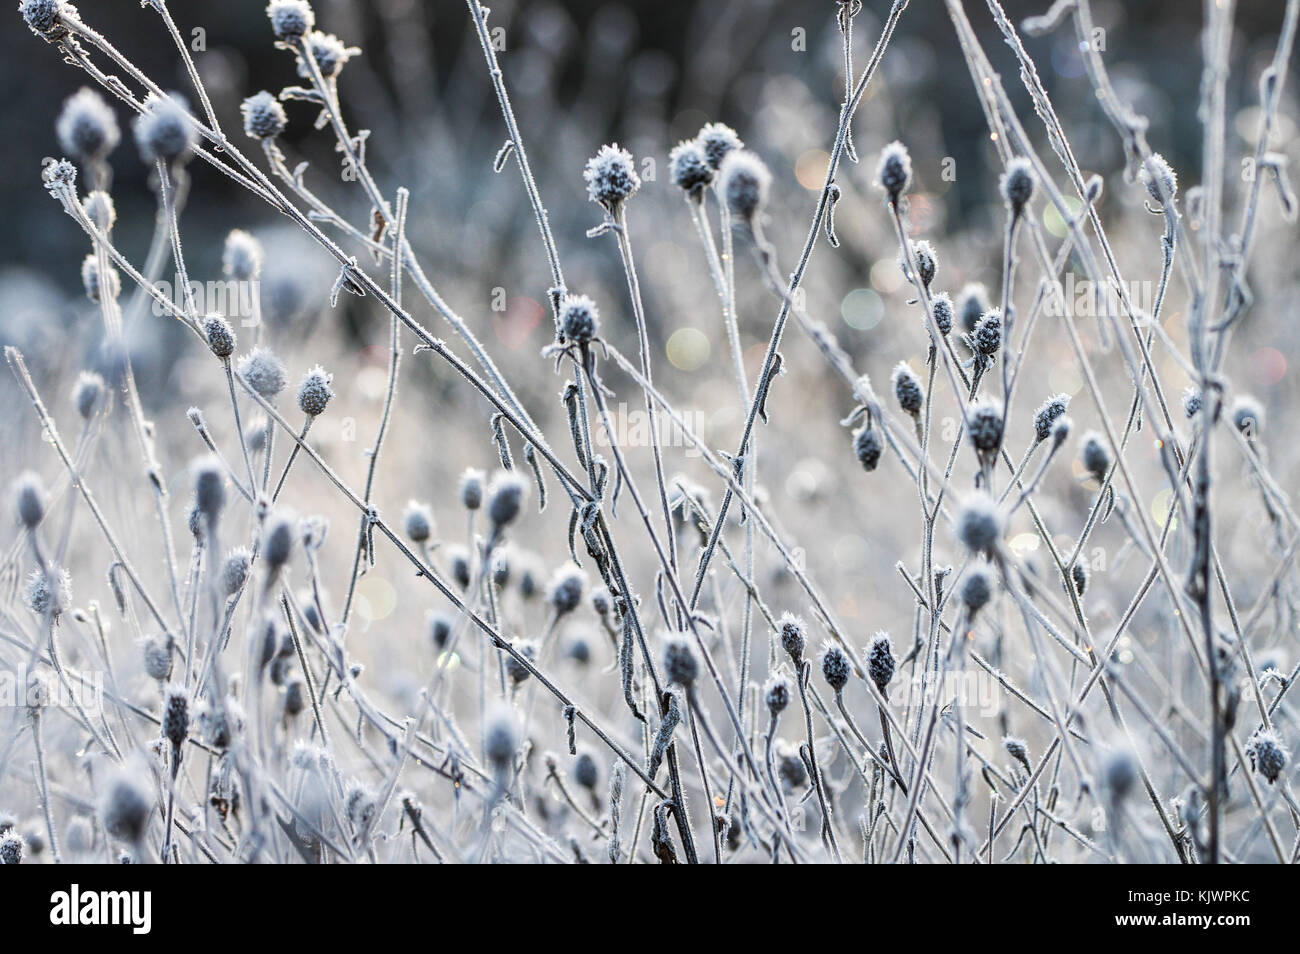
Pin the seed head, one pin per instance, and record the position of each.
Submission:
(972, 304)
(1017, 185)
(314, 392)
(290, 19)
(505, 498)
(979, 524)
(880, 661)
(156, 654)
(776, 694)
(715, 141)
(681, 664)
(515, 669)
(894, 173)
(501, 737)
(30, 500)
(745, 182)
(1017, 749)
(1191, 402)
(471, 488)
(907, 389)
(329, 52)
(1079, 576)
(88, 394)
(458, 565)
(611, 177)
(125, 807)
(359, 805)
(1267, 754)
(835, 667)
(165, 130)
(87, 126)
(984, 423)
(868, 447)
(793, 638)
(1158, 177)
(941, 305)
(986, 339)
(90, 279)
(264, 117)
(12, 848)
(585, 771)
(1247, 416)
(277, 541)
(176, 715)
(100, 209)
(264, 372)
(209, 489)
(439, 625)
(1094, 455)
(234, 571)
(791, 769)
(43, 17)
(45, 596)
(689, 168)
(241, 258)
(219, 336)
(1047, 415)
(1120, 773)
(566, 589)
(417, 521)
(927, 262)
(976, 590)
(579, 319)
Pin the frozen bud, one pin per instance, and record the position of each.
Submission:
(579, 318)
(907, 389)
(329, 52)
(1267, 755)
(745, 182)
(1159, 178)
(501, 737)
(176, 715)
(927, 262)
(88, 394)
(125, 806)
(976, 590)
(314, 392)
(165, 130)
(579, 650)
(776, 694)
(984, 424)
(867, 447)
(90, 280)
(835, 667)
(241, 256)
(880, 661)
(458, 565)
(611, 177)
(515, 668)
(471, 488)
(12, 848)
(681, 664)
(1247, 416)
(941, 306)
(48, 594)
(894, 173)
(219, 336)
(716, 140)
(101, 210)
(1017, 749)
(505, 499)
(295, 697)
(156, 654)
(979, 523)
(234, 571)
(290, 19)
(986, 339)
(87, 126)
(1047, 414)
(689, 168)
(1094, 455)
(793, 638)
(972, 304)
(417, 521)
(566, 589)
(585, 771)
(1060, 431)
(30, 500)
(209, 489)
(264, 372)
(439, 625)
(277, 541)
(1017, 185)
(264, 117)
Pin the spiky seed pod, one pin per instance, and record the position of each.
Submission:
(1047, 415)
(927, 262)
(125, 807)
(867, 447)
(688, 167)
(314, 392)
(290, 19)
(835, 667)
(30, 500)
(156, 653)
(986, 339)
(165, 130)
(745, 182)
(976, 590)
(793, 637)
(209, 489)
(43, 17)
(894, 173)
(87, 126)
(1158, 176)
(88, 394)
(880, 661)
(48, 595)
(907, 389)
(176, 716)
(681, 664)
(234, 571)
(515, 669)
(264, 117)
(579, 319)
(1267, 755)
(984, 424)
(471, 488)
(12, 848)
(219, 336)
(972, 305)
(1247, 416)
(241, 256)
(439, 625)
(566, 589)
(1094, 455)
(1017, 749)
(329, 52)
(776, 695)
(716, 141)
(501, 738)
(277, 541)
(264, 372)
(979, 523)
(585, 771)
(941, 306)
(611, 177)
(505, 498)
(101, 210)
(1191, 402)
(1017, 185)
(1079, 577)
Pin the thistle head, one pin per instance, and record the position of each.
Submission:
(209, 489)
(165, 130)
(471, 488)
(234, 571)
(611, 177)
(44, 17)
(126, 806)
(439, 625)
(329, 52)
(894, 171)
(87, 126)
(984, 424)
(1017, 749)
(505, 495)
(927, 263)
(715, 141)
(835, 667)
(417, 521)
(793, 637)
(1047, 414)
(219, 336)
(979, 522)
(1247, 416)
(745, 182)
(30, 500)
(264, 117)
(241, 256)
(1079, 577)
(176, 715)
(986, 339)
(516, 670)
(681, 664)
(1192, 401)
(290, 19)
(579, 319)
(1158, 177)
(867, 447)
(88, 394)
(880, 661)
(689, 168)
(976, 590)
(1017, 185)
(972, 305)
(776, 695)
(941, 306)
(264, 372)
(907, 389)
(314, 392)
(1094, 455)
(566, 590)
(501, 737)
(1268, 756)
(277, 541)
